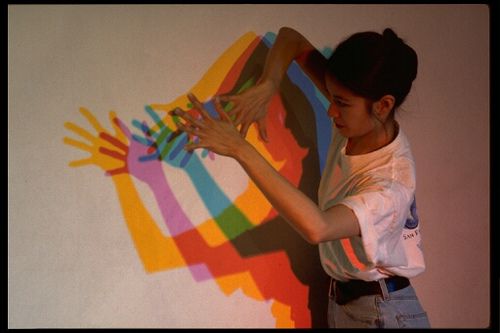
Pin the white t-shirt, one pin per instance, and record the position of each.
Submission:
(379, 187)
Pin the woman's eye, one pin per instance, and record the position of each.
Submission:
(340, 103)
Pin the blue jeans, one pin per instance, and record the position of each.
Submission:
(397, 309)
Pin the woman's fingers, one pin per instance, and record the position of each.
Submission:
(240, 117)
(226, 98)
(244, 128)
(236, 115)
(236, 109)
(193, 146)
(261, 123)
(198, 106)
(188, 118)
(220, 110)
(215, 133)
(188, 129)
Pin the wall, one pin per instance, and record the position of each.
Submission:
(76, 256)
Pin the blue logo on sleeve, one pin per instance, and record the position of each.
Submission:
(412, 220)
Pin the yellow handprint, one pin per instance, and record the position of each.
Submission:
(102, 152)
(157, 252)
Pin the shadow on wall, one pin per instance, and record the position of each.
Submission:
(245, 244)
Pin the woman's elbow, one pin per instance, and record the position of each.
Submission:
(314, 237)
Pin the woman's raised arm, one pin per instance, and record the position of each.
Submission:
(251, 105)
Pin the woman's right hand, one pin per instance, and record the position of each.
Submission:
(251, 106)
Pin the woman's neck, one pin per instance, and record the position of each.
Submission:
(374, 140)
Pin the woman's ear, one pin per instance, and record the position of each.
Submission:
(383, 107)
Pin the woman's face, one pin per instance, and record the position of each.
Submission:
(350, 112)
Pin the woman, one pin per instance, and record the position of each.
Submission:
(365, 223)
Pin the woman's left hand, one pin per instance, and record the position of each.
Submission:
(218, 135)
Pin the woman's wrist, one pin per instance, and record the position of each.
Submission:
(243, 152)
(269, 84)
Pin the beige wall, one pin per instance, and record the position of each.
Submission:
(120, 58)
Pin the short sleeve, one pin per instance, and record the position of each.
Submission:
(381, 210)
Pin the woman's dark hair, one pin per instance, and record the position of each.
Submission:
(372, 65)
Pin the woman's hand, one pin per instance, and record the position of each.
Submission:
(251, 106)
(218, 135)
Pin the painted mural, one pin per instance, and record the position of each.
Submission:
(244, 244)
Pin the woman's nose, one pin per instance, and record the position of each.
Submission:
(332, 111)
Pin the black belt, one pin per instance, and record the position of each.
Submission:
(344, 292)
